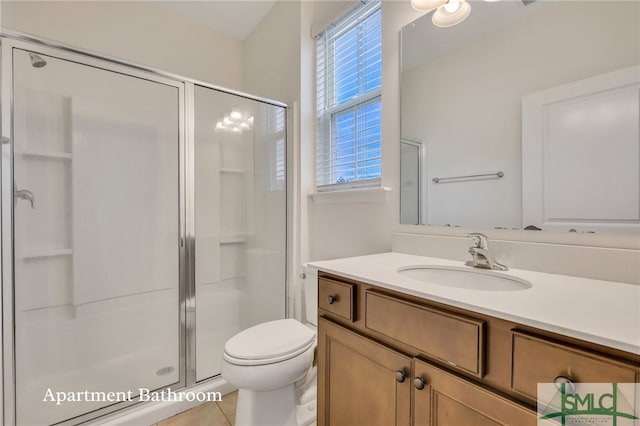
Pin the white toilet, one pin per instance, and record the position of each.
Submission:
(271, 365)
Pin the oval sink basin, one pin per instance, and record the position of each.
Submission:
(461, 277)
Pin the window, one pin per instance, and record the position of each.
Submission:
(349, 77)
(271, 147)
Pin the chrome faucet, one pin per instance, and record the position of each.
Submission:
(24, 194)
(480, 253)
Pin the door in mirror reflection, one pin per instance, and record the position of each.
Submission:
(411, 186)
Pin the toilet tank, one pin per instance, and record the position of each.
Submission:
(310, 294)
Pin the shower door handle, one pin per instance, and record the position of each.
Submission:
(24, 194)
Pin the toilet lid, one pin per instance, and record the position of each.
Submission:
(274, 339)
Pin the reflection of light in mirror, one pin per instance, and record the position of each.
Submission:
(452, 6)
(451, 13)
(236, 115)
(427, 5)
(234, 122)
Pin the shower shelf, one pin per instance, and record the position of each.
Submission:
(228, 170)
(46, 154)
(37, 254)
(233, 240)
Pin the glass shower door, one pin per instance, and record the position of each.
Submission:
(240, 219)
(96, 236)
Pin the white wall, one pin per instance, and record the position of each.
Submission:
(351, 229)
(279, 60)
(135, 31)
(280, 63)
(272, 59)
(465, 104)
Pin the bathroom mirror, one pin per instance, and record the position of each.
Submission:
(523, 115)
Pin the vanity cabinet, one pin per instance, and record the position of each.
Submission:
(442, 399)
(388, 358)
(365, 383)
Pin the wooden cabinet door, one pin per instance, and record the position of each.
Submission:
(448, 400)
(359, 381)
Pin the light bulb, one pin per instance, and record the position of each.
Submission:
(219, 125)
(244, 126)
(236, 130)
(427, 5)
(226, 120)
(236, 114)
(452, 6)
(250, 120)
(444, 18)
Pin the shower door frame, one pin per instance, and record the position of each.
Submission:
(9, 43)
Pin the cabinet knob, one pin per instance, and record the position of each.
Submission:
(419, 383)
(331, 299)
(569, 386)
(400, 376)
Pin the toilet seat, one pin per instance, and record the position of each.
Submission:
(269, 342)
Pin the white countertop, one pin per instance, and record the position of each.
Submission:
(602, 312)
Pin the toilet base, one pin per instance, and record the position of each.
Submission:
(267, 408)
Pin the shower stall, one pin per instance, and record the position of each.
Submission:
(143, 224)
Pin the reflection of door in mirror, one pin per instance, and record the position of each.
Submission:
(411, 185)
(581, 154)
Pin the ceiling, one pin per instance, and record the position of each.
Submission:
(236, 18)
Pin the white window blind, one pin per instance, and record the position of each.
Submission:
(349, 77)
(271, 147)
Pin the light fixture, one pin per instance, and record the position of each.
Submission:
(236, 115)
(452, 13)
(447, 12)
(234, 122)
(427, 5)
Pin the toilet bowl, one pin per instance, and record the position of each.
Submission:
(271, 364)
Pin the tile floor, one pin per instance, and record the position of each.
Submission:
(221, 413)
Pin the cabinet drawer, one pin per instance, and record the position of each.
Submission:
(538, 360)
(337, 297)
(454, 339)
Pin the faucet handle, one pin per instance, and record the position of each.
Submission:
(479, 240)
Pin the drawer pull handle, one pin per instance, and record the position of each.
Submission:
(419, 383)
(569, 386)
(331, 299)
(400, 376)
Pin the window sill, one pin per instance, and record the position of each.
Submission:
(352, 196)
